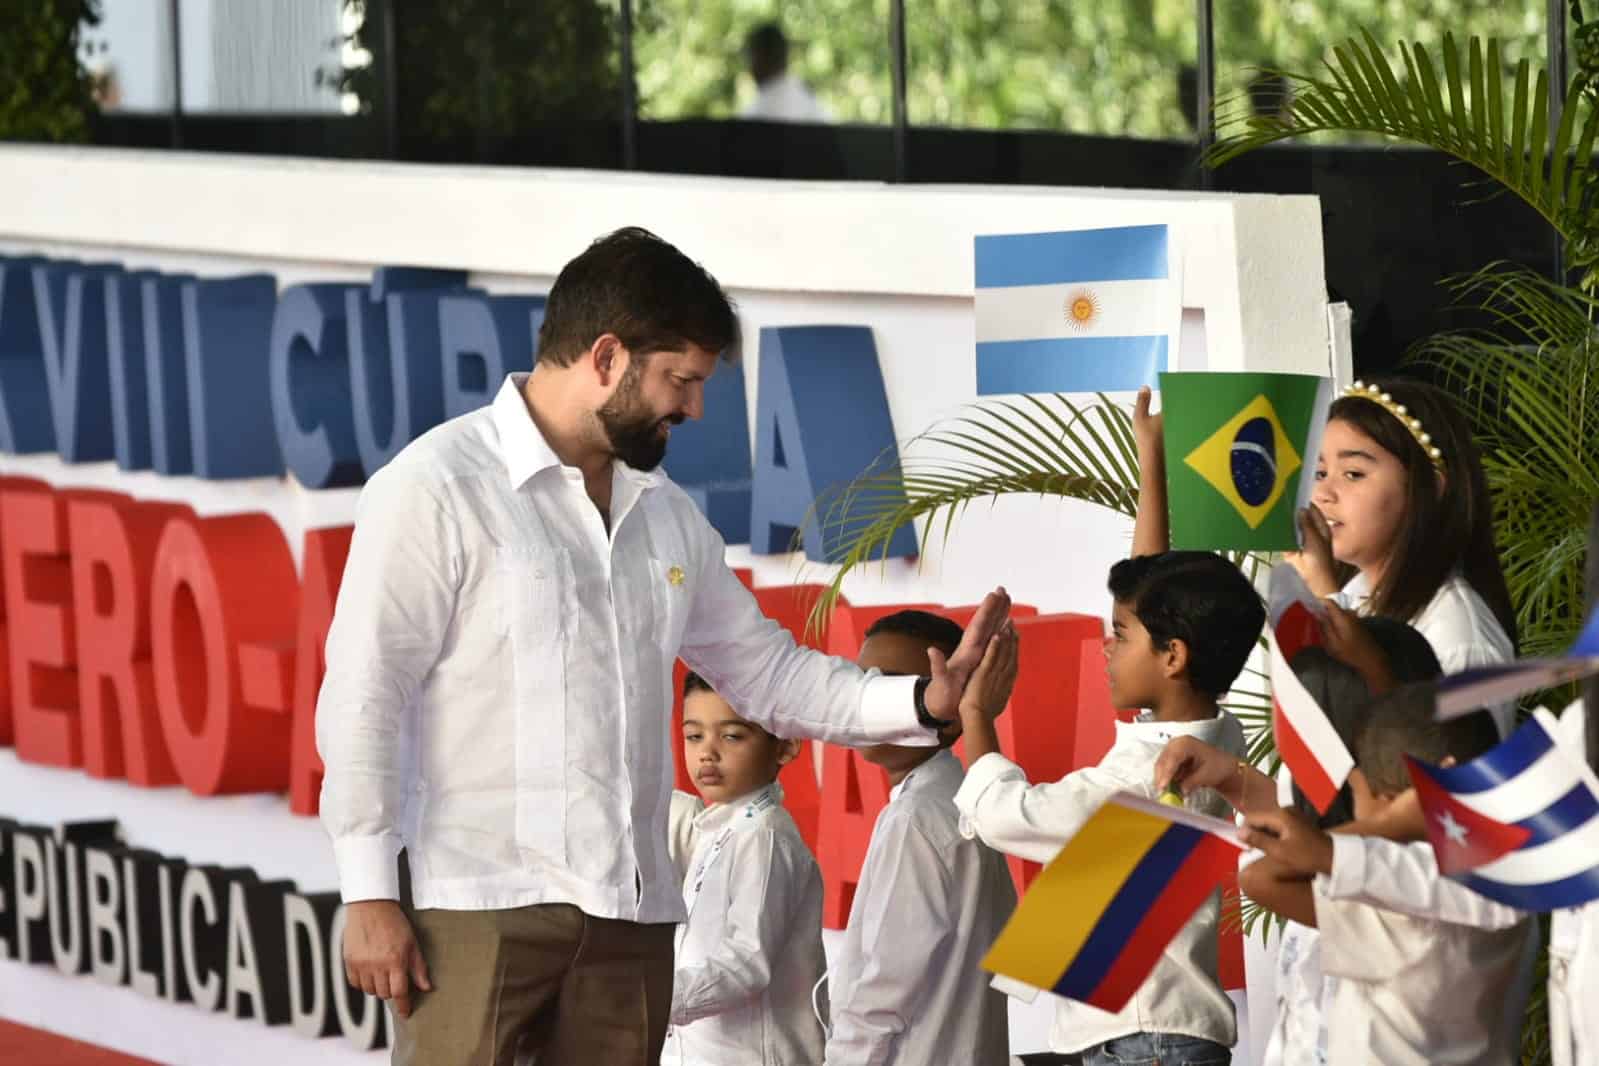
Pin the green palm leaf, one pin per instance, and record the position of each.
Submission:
(1448, 100)
(1530, 381)
(1029, 445)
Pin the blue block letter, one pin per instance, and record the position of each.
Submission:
(227, 332)
(821, 420)
(483, 338)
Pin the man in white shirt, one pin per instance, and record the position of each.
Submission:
(908, 986)
(498, 687)
(779, 95)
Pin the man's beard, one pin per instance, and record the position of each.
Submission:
(631, 428)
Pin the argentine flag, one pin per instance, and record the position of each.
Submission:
(1520, 824)
(1094, 310)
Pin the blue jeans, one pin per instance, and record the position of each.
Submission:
(1158, 1049)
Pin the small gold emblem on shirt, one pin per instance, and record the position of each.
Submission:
(675, 575)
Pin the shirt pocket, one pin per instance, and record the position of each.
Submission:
(534, 589)
(672, 590)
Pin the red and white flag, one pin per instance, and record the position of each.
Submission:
(1306, 740)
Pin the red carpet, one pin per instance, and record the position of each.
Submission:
(21, 1046)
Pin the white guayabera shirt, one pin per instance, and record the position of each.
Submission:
(908, 986)
(487, 612)
(1183, 993)
(1425, 971)
(751, 949)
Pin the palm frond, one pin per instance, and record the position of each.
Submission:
(1031, 445)
(1530, 383)
(1449, 99)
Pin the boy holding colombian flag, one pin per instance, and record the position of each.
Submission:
(1183, 626)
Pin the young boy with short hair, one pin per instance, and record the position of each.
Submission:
(1183, 628)
(1422, 970)
(906, 987)
(751, 950)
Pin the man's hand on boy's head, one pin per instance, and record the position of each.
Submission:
(990, 687)
(1290, 838)
(951, 676)
(1350, 642)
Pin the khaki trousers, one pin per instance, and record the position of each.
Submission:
(547, 981)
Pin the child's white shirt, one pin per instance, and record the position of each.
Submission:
(1183, 994)
(907, 987)
(751, 950)
(1574, 946)
(1461, 628)
(680, 830)
(1299, 1033)
(1424, 971)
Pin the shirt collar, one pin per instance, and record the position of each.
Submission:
(527, 453)
(718, 815)
(1148, 727)
(522, 444)
(944, 764)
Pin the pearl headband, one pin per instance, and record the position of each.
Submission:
(1385, 400)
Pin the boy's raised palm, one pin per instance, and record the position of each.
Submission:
(1149, 430)
(989, 690)
(951, 676)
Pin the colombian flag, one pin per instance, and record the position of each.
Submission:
(1095, 921)
(1239, 451)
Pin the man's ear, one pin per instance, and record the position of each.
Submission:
(787, 751)
(608, 357)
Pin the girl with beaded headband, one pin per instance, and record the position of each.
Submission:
(1401, 524)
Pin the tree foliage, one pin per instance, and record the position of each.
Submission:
(1100, 68)
(46, 94)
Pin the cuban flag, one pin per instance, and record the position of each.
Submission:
(1095, 310)
(1306, 741)
(1517, 825)
(1488, 686)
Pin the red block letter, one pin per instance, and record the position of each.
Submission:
(220, 584)
(7, 734)
(39, 615)
(854, 792)
(113, 553)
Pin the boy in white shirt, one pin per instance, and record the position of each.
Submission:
(751, 950)
(906, 987)
(1183, 627)
(1423, 970)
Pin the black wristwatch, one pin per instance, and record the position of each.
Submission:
(937, 725)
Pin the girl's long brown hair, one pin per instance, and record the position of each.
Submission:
(1442, 531)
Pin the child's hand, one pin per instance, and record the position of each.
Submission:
(1314, 559)
(1348, 641)
(1187, 764)
(1289, 837)
(1401, 820)
(1149, 431)
(989, 690)
(951, 676)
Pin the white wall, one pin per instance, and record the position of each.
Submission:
(896, 258)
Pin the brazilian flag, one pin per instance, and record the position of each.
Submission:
(1240, 456)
